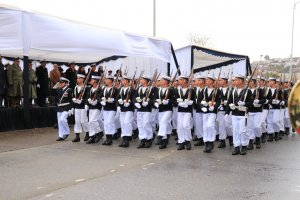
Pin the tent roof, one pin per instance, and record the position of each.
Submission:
(40, 36)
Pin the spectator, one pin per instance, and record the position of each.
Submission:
(81, 70)
(15, 83)
(93, 72)
(2, 83)
(32, 83)
(42, 84)
(54, 75)
(71, 75)
(100, 70)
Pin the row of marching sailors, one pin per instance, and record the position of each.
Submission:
(206, 108)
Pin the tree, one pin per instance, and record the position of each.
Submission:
(198, 39)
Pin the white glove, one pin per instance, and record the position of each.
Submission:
(138, 99)
(103, 99)
(86, 107)
(120, 101)
(145, 103)
(267, 101)
(179, 100)
(275, 101)
(79, 101)
(204, 103)
(103, 103)
(156, 105)
(211, 108)
(165, 101)
(126, 104)
(232, 106)
(158, 101)
(241, 103)
(183, 104)
(110, 100)
(137, 105)
(204, 109)
(70, 112)
(221, 108)
(74, 100)
(225, 102)
(226, 117)
(38, 86)
(94, 102)
(282, 103)
(189, 102)
(89, 100)
(118, 109)
(256, 101)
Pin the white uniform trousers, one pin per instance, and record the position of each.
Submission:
(198, 124)
(273, 121)
(263, 120)
(81, 121)
(240, 136)
(174, 117)
(134, 122)
(117, 119)
(144, 126)
(184, 126)
(165, 126)
(221, 125)
(287, 122)
(101, 120)
(209, 127)
(109, 122)
(126, 119)
(228, 125)
(254, 125)
(154, 119)
(63, 126)
(281, 119)
(94, 127)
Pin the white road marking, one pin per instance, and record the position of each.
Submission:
(79, 180)
(49, 195)
(112, 171)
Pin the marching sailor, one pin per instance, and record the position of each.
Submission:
(238, 101)
(64, 107)
(265, 107)
(79, 100)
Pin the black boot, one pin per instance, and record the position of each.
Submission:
(250, 145)
(230, 140)
(270, 139)
(142, 144)
(287, 130)
(98, 137)
(236, 151)
(276, 138)
(243, 150)
(153, 137)
(257, 142)
(206, 147)
(281, 134)
(125, 142)
(163, 144)
(87, 137)
(199, 142)
(117, 135)
(148, 143)
(135, 133)
(91, 140)
(188, 145)
(195, 138)
(77, 138)
(222, 144)
(159, 140)
(217, 138)
(181, 146)
(108, 141)
(174, 132)
(263, 137)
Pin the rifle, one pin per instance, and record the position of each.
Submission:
(257, 87)
(138, 80)
(84, 85)
(248, 83)
(214, 94)
(171, 82)
(100, 82)
(278, 87)
(190, 83)
(115, 82)
(152, 83)
(131, 86)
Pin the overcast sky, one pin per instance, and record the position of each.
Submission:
(249, 27)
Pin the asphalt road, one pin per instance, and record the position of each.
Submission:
(34, 166)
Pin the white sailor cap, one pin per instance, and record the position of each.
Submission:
(96, 77)
(224, 77)
(127, 77)
(260, 78)
(199, 77)
(146, 77)
(211, 77)
(119, 78)
(80, 76)
(93, 65)
(183, 77)
(63, 79)
(110, 77)
(271, 79)
(167, 78)
(239, 76)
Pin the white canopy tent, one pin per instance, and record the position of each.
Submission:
(206, 61)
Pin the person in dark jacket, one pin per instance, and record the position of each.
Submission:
(71, 75)
(42, 84)
(2, 82)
